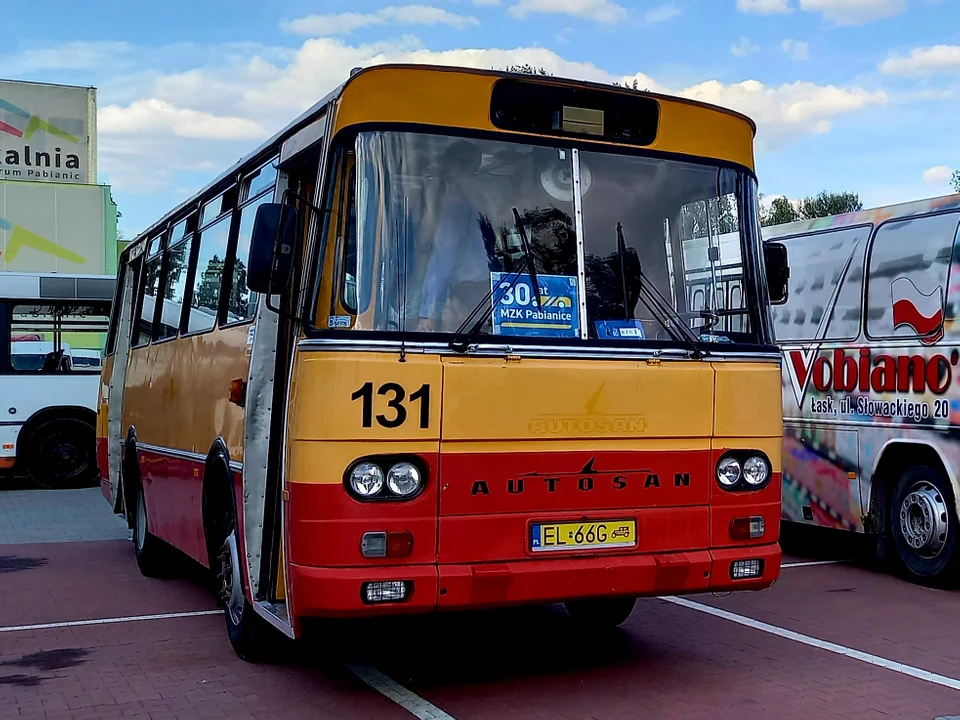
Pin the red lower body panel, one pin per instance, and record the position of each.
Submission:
(336, 592)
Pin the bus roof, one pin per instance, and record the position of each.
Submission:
(266, 149)
(871, 215)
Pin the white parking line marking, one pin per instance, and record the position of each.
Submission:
(107, 621)
(408, 700)
(811, 563)
(882, 662)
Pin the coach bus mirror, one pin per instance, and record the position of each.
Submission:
(778, 271)
(271, 248)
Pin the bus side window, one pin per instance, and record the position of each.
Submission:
(205, 297)
(909, 267)
(241, 302)
(174, 288)
(148, 298)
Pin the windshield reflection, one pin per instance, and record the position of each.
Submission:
(436, 236)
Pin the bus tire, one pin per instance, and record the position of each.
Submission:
(153, 556)
(924, 527)
(600, 613)
(250, 635)
(60, 453)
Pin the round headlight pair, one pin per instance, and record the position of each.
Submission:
(402, 480)
(755, 471)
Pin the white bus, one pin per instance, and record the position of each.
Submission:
(52, 334)
(871, 384)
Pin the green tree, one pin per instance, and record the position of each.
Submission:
(527, 69)
(955, 180)
(780, 211)
(828, 203)
(208, 289)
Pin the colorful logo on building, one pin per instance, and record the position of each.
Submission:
(20, 123)
(19, 238)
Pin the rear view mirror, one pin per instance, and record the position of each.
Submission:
(778, 271)
(271, 248)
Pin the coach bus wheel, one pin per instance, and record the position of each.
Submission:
(249, 634)
(60, 454)
(923, 521)
(600, 612)
(153, 557)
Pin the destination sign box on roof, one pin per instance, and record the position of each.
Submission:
(47, 133)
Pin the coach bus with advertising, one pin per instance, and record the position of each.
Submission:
(53, 328)
(438, 349)
(871, 390)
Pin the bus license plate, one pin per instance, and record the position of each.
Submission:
(546, 537)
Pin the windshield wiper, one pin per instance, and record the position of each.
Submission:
(662, 311)
(461, 341)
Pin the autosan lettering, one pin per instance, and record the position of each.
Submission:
(842, 371)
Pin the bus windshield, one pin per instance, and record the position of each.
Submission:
(436, 233)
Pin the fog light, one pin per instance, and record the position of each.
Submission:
(388, 591)
(747, 528)
(746, 569)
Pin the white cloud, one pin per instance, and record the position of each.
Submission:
(763, 7)
(344, 23)
(602, 11)
(154, 117)
(746, 47)
(924, 61)
(662, 14)
(937, 175)
(855, 12)
(796, 49)
(486, 2)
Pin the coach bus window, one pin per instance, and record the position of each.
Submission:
(174, 288)
(816, 268)
(445, 207)
(205, 299)
(58, 337)
(241, 303)
(907, 287)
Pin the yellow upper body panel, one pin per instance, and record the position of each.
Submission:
(458, 98)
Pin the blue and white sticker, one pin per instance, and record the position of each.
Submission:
(620, 330)
(517, 312)
(338, 321)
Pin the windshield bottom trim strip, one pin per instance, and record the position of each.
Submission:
(581, 263)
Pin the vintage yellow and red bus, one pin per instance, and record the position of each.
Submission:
(456, 339)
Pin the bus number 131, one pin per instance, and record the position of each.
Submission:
(421, 396)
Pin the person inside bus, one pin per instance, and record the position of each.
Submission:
(458, 271)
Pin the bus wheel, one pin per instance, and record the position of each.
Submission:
(600, 612)
(249, 634)
(61, 454)
(924, 526)
(153, 558)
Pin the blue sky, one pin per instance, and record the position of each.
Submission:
(860, 95)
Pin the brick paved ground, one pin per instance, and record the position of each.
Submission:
(668, 661)
(35, 516)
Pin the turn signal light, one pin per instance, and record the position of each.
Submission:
(386, 544)
(747, 528)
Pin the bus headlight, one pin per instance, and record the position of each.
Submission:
(756, 471)
(728, 472)
(366, 479)
(403, 479)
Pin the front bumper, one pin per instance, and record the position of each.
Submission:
(336, 592)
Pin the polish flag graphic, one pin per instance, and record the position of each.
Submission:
(922, 313)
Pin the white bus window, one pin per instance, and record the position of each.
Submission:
(909, 265)
(174, 289)
(817, 265)
(58, 338)
(205, 302)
